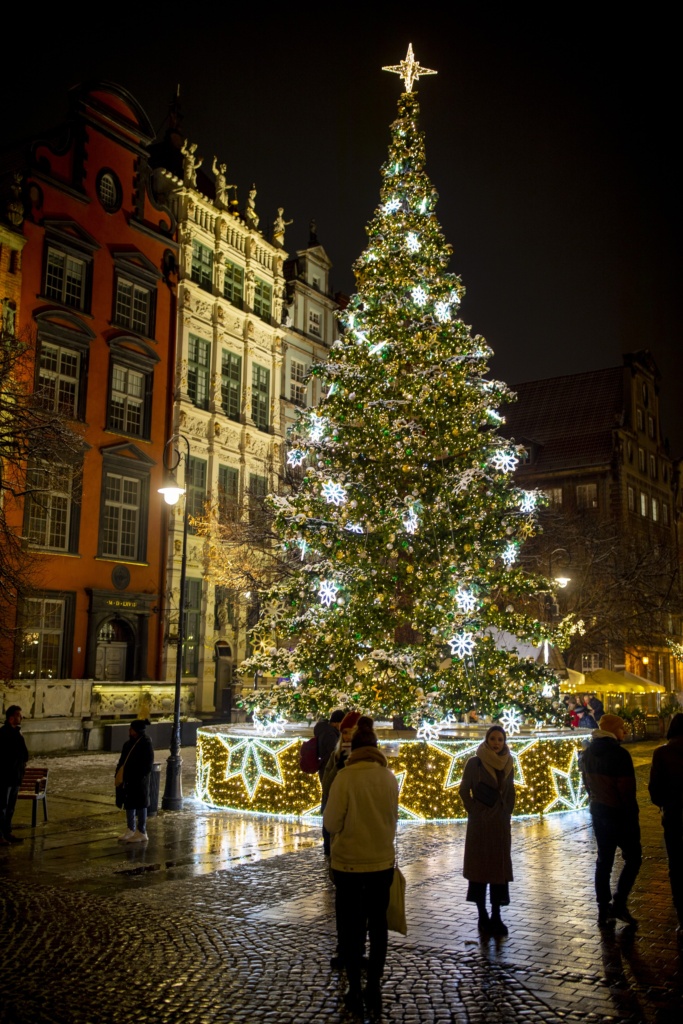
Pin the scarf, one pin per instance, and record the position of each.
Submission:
(495, 762)
(368, 754)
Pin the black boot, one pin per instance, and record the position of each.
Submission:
(605, 916)
(484, 922)
(498, 927)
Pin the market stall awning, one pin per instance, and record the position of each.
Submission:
(606, 681)
(576, 681)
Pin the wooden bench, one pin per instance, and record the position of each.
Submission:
(34, 787)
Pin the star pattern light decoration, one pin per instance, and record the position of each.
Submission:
(268, 726)
(460, 751)
(466, 601)
(203, 774)
(328, 592)
(295, 457)
(528, 502)
(442, 312)
(409, 69)
(354, 527)
(316, 428)
(403, 812)
(548, 690)
(429, 730)
(411, 521)
(419, 295)
(392, 205)
(412, 242)
(511, 721)
(462, 645)
(509, 555)
(570, 792)
(454, 298)
(506, 462)
(333, 493)
(274, 611)
(254, 759)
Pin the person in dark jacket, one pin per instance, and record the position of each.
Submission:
(488, 792)
(137, 761)
(666, 790)
(13, 758)
(610, 781)
(327, 734)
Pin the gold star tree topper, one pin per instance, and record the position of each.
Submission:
(409, 69)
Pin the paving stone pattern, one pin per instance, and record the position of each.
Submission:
(229, 919)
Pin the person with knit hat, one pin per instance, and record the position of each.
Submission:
(488, 792)
(334, 763)
(610, 781)
(361, 816)
(137, 761)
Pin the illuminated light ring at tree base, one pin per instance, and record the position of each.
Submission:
(239, 770)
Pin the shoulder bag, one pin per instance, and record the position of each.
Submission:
(396, 911)
(118, 778)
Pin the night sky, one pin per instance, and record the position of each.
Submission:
(552, 139)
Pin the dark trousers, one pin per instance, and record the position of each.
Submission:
(8, 801)
(500, 894)
(672, 821)
(361, 905)
(615, 829)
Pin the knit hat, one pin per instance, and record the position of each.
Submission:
(140, 724)
(610, 723)
(337, 716)
(364, 737)
(350, 720)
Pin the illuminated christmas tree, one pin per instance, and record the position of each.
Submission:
(406, 525)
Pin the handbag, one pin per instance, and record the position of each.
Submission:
(118, 778)
(396, 911)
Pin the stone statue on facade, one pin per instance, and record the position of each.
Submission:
(15, 207)
(279, 225)
(222, 186)
(190, 163)
(250, 215)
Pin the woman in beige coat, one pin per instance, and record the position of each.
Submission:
(488, 792)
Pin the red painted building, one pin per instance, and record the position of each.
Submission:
(98, 294)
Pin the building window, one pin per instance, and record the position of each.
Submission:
(132, 307)
(316, 283)
(228, 494)
(651, 426)
(297, 387)
(260, 387)
(233, 284)
(43, 637)
(643, 504)
(49, 508)
(202, 266)
(653, 467)
(231, 379)
(127, 401)
(590, 662)
(258, 488)
(655, 510)
(641, 460)
(65, 278)
(109, 191)
(631, 499)
(191, 625)
(665, 514)
(263, 296)
(554, 495)
(195, 484)
(121, 526)
(639, 419)
(587, 496)
(314, 323)
(59, 370)
(198, 366)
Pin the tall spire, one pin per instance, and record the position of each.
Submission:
(409, 69)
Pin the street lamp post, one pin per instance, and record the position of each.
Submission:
(172, 799)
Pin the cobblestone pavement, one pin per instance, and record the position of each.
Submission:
(228, 919)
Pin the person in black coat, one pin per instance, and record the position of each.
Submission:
(13, 758)
(666, 790)
(137, 761)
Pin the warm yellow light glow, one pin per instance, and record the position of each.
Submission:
(646, 660)
(562, 581)
(172, 494)
(248, 772)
